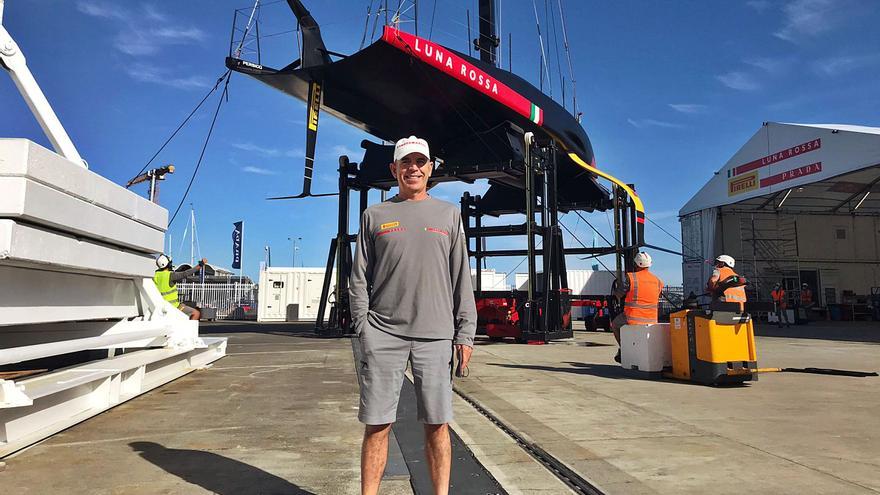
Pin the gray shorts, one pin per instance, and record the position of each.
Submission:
(188, 311)
(619, 321)
(383, 362)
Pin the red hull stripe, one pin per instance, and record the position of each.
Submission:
(445, 60)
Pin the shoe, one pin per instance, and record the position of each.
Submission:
(617, 357)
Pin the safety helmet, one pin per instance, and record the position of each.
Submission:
(777, 285)
(163, 262)
(727, 260)
(804, 285)
(643, 260)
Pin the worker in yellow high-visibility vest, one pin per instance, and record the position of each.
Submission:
(166, 281)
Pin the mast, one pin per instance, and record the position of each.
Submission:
(192, 236)
(487, 43)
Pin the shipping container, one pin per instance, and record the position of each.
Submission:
(291, 293)
(490, 279)
(581, 282)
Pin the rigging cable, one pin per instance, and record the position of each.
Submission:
(692, 250)
(584, 246)
(247, 28)
(366, 25)
(433, 12)
(194, 110)
(443, 92)
(541, 42)
(556, 48)
(594, 228)
(513, 270)
(223, 96)
(570, 69)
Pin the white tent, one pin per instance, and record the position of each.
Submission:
(795, 198)
(780, 157)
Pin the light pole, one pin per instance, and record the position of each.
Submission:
(293, 250)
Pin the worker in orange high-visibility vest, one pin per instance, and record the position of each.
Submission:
(780, 304)
(640, 291)
(724, 270)
(806, 299)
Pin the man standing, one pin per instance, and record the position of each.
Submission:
(411, 302)
(780, 304)
(718, 284)
(166, 282)
(640, 292)
(806, 302)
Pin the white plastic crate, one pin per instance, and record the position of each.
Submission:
(645, 347)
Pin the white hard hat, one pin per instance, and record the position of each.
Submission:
(643, 260)
(727, 260)
(163, 261)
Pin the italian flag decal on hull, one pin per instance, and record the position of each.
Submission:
(537, 115)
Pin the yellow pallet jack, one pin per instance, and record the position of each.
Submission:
(714, 346)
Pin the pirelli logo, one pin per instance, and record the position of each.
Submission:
(389, 225)
(314, 106)
(742, 183)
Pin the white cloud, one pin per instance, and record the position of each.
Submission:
(135, 43)
(157, 75)
(770, 65)
(176, 35)
(835, 66)
(452, 191)
(341, 149)
(141, 32)
(688, 107)
(810, 18)
(759, 5)
(295, 153)
(643, 123)
(101, 9)
(258, 171)
(153, 14)
(738, 80)
(253, 148)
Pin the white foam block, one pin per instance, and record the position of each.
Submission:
(645, 347)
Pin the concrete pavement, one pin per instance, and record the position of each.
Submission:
(278, 415)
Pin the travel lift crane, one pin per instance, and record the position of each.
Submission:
(535, 154)
(76, 265)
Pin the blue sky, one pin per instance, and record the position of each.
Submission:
(669, 91)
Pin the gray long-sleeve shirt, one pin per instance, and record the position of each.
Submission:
(411, 275)
(178, 276)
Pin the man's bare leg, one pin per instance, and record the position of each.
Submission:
(374, 455)
(438, 450)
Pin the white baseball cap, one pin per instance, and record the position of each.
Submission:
(409, 145)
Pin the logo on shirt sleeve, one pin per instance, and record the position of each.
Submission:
(389, 225)
(437, 231)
